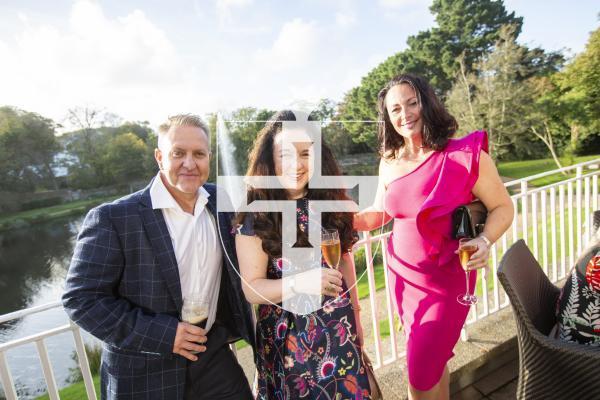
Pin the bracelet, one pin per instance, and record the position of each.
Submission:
(486, 240)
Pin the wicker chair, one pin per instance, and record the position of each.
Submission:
(548, 368)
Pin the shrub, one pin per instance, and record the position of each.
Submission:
(41, 203)
(94, 355)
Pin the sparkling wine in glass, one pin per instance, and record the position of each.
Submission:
(195, 311)
(330, 248)
(465, 251)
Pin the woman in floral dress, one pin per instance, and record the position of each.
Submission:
(314, 355)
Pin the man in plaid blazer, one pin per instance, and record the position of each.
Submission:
(135, 260)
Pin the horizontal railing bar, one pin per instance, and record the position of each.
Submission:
(553, 172)
(33, 338)
(28, 311)
(566, 181)
(370, 239)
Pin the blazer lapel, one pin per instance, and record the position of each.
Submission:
(160, 239)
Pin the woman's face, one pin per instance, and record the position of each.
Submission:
(293, 155)
(404, 110)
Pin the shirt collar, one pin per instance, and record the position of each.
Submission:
(161, 198)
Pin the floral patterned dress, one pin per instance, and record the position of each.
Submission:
(312, 356)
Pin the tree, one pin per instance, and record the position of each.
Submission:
(492, 98)
(579, 85)
(28, 147)
(466, 28)
(544, 116)
(85, 165)
(465, 31)
(333, 131)
(499, 96)
(244, 125)
(126, 158)
(90, 147)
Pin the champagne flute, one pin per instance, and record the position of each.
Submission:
(465, 251)
(195, 311)
(331, 249)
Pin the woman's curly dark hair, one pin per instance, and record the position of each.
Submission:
(438, 124)
(267, 225)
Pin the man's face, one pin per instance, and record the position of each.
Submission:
(183, 157)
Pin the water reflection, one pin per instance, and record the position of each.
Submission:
(33, 265)
(31, 257)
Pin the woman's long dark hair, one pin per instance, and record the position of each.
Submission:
(438, 124)
(267, 225)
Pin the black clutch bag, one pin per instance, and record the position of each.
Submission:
(468, 220)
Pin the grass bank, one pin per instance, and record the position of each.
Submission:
(522, 169)
(26, 218)
(75, 391)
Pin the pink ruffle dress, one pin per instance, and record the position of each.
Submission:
(425, 273)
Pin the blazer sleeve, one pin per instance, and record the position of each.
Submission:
(91, 293)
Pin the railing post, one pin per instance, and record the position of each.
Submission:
(83, 362)
(390, 303)
(6, 378)
(47, 370)
(578, 175)
(373, 300)
(524, 211)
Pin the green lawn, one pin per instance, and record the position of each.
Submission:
(522, 169)
(363, 283)
(48, 213)
(75, 391)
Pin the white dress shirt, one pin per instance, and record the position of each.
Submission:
(196, 244)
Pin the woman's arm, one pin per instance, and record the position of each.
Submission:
(348, 271)
(259, 289)
(492, 192)
(375, 216)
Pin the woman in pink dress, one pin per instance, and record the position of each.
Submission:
(423, 176)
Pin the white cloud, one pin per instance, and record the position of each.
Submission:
(122, 64)
(294, 47)
(344, 20)
(225, 9)
(395, 4)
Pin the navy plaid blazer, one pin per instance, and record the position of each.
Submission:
(123, 287)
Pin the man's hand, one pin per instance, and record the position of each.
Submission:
(189, 338)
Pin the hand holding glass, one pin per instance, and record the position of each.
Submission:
(195, 310)
(465, 251)
(331, 248)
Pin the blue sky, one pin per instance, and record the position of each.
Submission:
(144, 60)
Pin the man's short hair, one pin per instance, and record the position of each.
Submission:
(183, 120)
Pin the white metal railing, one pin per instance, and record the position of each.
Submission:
(39, 339)
(551, 219)
(545, 227)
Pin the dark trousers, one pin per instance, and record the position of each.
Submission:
(216, 374)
